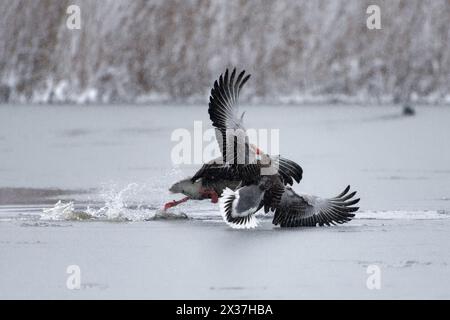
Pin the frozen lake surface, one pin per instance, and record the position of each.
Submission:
(111, 167)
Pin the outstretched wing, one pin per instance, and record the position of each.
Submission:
(223, 112)
(223, 102)
(300, 210)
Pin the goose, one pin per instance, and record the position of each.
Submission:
(240, 160)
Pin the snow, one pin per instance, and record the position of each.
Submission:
(147, 51)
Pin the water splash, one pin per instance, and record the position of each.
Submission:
(118, 204)
(116, 208)
(63, 211)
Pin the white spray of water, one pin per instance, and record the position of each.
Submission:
(115, 207)
(60, 211)
(118, 204)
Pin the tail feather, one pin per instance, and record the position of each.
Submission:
(227, 203)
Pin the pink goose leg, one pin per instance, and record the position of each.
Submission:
(211, 194)
(174, 203)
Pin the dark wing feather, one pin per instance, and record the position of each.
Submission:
(300, 211)
(288, 170)
(223, 112)
(272, 197)
(223, 108)
(215, 171)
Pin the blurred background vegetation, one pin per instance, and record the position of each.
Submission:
(171, 50)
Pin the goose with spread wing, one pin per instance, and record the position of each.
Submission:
(240, 160)
(258, 186)
(238, 207)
